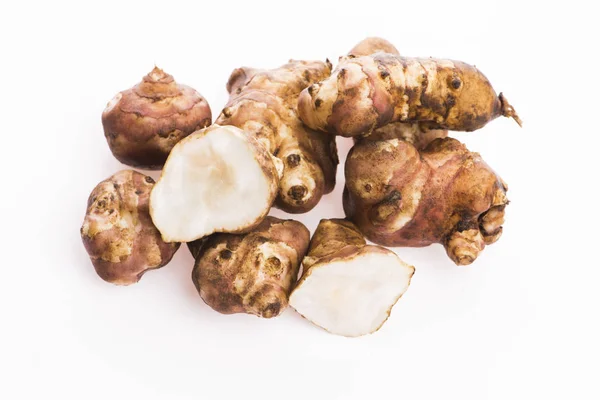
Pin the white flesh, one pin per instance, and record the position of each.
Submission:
(352, 297)
(210, 183)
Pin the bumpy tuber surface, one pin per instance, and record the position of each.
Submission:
(142, 124)
(444, 194)
(251, 273)
(118, 233)
(219, 179)
(348, 287)
(416, 133)
(263, 103)
(368, 92)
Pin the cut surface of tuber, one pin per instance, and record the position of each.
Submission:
(219, 179)
(352, 296)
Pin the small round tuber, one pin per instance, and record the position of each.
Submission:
(118, 233)
(142, 124)
(251, 273)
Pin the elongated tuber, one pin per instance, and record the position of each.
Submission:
(348, 287)
(417, 133)
(219, 179)
(142, 124)
(263, 103)
(252, 273)
(444, 194)
(368, 92)
(117, 231)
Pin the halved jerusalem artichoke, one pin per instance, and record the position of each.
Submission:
(118, 233)
(218, 179)
(252, 273)
(348, 287)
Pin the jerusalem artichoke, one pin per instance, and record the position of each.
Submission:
(368, 92)
(251, 273)
(444, 194)
(263, 103)
(348, 287)
(117, 231)
(142, 124)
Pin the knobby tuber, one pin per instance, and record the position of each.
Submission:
(348, 287)
(142, 124)
(367, 92)
(417, 133)
(117, 231)
(445, 194)
(252, 273)
(218, 179)
(263, 103)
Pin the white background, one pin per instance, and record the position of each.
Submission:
(521, 323)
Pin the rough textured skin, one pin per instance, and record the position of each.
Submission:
(368, 92)
(263, 158)
(252, 273)
(142, 124)
(444, 194)
(263, 102)
(415, 133)
(334, 240)
(117, 231)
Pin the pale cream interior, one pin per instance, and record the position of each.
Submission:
(210, 183)
(352, 297)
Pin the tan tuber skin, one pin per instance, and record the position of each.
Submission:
(415, 133)
(263, 103)
(367, 92)
(445, 194)
(142, 124)
(118, 233)
(251, 273)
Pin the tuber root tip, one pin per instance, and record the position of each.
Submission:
(508, 110)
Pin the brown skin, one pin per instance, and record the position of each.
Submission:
(118, 233)
(251, 273)
(263, 103)
(444, 194)
(142, 124)
(415, 133)
(367, 92)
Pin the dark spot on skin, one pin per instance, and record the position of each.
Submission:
(293, 160)
(318, 103)
(312, 89)
(226, 112)
(456, 83)
(463, 225)
(112, 197)
(368, 188)
(273, 264)
(149, 179)
(450, 101)
(225, 254)
(111, 211)
(394, 196)
(351, 56)
(297, 192)
(262, 239)
(102, 203)
(116, 186)
(238, 91)
(384, 74)
(328, 62)
(306, 75)
(271, 310)
(342, 73)
(138, 192)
